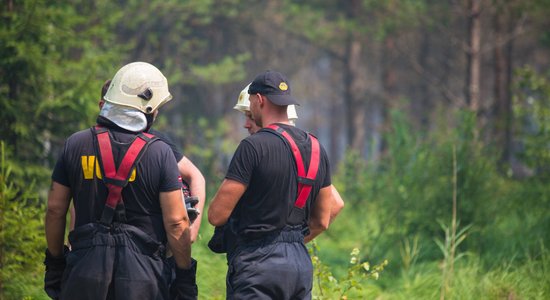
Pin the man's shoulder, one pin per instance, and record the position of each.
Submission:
(260, 137)
(297, 134)
(158, 134)
(80, 136)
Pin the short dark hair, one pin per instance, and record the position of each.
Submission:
(105, 88)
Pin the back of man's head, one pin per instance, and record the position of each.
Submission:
(104, 89)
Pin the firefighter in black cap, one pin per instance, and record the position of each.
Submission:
(276, 197)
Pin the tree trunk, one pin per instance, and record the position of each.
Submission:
(421, 107)
(503, 72)
(389, 76)
(335, 133)
(354, 93)
(354, 87)
(389, 83)
(473, 55)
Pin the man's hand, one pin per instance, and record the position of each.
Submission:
(55, 266)
(185, 285)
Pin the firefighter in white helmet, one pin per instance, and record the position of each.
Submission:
(192, 179)
(128, 202)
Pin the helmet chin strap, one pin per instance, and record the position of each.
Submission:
(150, 119)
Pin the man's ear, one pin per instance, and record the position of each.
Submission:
(101, 102)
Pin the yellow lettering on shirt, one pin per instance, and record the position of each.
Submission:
(88, 162)
(133, 176)
(88, 166)
(98, 171)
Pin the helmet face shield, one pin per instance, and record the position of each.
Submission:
(139, 85)
(125, 117)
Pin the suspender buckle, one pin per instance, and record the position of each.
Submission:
(306, 181)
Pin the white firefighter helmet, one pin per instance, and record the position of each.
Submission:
(291, 113)
(243, 102)
(139, 85)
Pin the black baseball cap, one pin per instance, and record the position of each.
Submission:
(274, 85)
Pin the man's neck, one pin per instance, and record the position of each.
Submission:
(268, 122)
(274, 117)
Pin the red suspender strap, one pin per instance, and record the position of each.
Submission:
(311, 173)
(114, 179)
(305, 181)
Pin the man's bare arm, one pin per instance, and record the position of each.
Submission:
(320, 213)
(193, 176)
(59, 199)
(337, 205)
(224, 201)
(176, 224)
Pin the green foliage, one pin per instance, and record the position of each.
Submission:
(532, 110)
(52, 61)
(329, 23)
(509, 279)
(21, 235)
(449, 248)
(211, 268)
(227, 70)
(326, 286)
(394, 206)
(409, 253)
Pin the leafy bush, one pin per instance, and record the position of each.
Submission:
(21, 236)
(326, 286)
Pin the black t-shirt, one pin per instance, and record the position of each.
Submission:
(177, 153)
(265, 163)
(156, 172)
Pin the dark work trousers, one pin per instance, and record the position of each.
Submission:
(116, 262)
(274, 267)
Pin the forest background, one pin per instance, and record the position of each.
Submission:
(435, 115)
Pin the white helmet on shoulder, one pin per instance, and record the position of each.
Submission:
(291, 113)
(243, 102)
(139, 85)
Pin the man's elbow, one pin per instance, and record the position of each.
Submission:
(55, 212)
(337, 208)
(177, 224)
(200, 178)
(340, 204)
(190, 172)
(196, 177)
(319, 226)
(214, 221)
